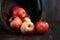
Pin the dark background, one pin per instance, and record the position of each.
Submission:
(51, 15)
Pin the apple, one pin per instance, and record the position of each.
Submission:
(19, 11)
(26, 19)
(15, 22)
(27, 27)
(14, 8)
(42, 27)
(5, 15)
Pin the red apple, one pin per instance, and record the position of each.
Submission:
(27, 27)
(14, 8)
(18, 11)
(42, 27)
(5, 15)
(15, 22)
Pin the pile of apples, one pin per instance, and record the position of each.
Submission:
(20, 20)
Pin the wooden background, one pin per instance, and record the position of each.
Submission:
(52, 16)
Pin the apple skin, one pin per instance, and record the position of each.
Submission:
(5, 15)
(15, 22)
(19, 11)
(14, 7)
(26, 19)
(27, 27)
(42, 27)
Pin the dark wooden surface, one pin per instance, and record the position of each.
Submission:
(52, 16)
